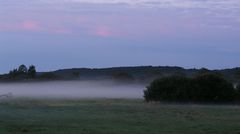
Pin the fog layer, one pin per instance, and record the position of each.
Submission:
(72, 89)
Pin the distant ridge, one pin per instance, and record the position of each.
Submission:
(132, 73)
(143, 73)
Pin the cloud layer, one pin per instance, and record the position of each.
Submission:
(211, 4)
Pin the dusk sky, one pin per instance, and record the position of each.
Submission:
(56, 34)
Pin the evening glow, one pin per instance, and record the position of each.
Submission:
(53, 34)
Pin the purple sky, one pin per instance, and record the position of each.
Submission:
(53, 34)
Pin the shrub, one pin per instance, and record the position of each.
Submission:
(169, 89)
(212, 87)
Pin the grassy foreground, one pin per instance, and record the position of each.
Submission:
(35, 116)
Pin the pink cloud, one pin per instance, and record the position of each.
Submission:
(33, 26)
(103, 31)
(23, 26)
(30, 25)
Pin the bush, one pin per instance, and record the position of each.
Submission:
(168, 89)
(204, 88)
(212, 87)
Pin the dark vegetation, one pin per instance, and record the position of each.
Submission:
(22, 73)
(167, 83)
(140, 74)
(122, 76)
(47, 76)
(206, 87)
(238, 89)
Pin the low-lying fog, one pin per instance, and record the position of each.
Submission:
(72, 89)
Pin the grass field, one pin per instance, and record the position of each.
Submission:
(35, 116)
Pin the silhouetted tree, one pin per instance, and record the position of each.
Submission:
(13, 73)
(22, 69)
(22, 73)
(32, 71)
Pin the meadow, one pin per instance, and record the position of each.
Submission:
(114, 116)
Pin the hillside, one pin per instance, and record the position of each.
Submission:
(127, 74)
(140, 73)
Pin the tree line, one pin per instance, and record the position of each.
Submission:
(23, 72)
(27, 73)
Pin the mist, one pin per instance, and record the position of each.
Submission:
(72, 89)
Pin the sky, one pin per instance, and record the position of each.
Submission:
(57, 34)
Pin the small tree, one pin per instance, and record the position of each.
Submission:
(32, 71)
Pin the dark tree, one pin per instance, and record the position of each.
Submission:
(32, 71)
(13, 73)
(22, 69)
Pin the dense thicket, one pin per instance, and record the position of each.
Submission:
(203, 88)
